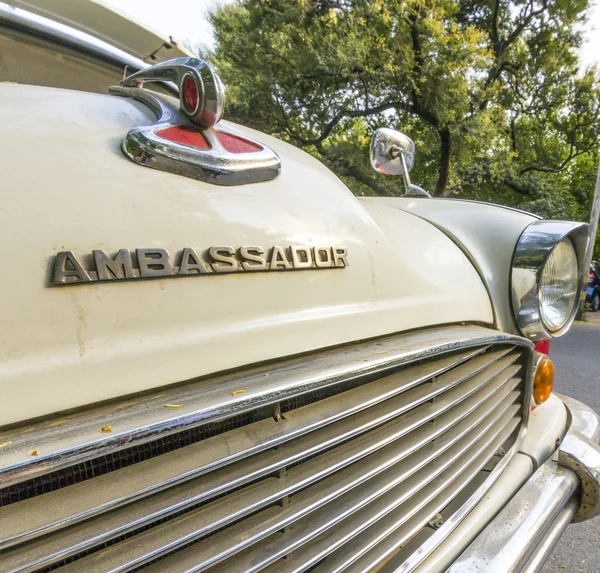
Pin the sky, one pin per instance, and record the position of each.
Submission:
(185, 21)
(590, 51)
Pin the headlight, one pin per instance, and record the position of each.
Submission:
(559, 286)
(547, 277)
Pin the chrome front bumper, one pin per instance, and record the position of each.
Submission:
(566, 488)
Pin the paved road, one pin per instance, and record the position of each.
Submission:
(577, 360)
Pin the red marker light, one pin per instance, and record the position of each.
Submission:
(543, 346)
(189, 97)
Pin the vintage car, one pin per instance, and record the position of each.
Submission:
(214, 357)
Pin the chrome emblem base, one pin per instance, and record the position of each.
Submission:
(158, 263)
(194, 147)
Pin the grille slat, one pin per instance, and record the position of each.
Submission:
(377, 497)
(360, 457)
(386, 537)
(496, 412)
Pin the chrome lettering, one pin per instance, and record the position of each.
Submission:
(340, 255)
(190, 262)
(225, 259)
(68, 270)
(253, 254)
(323, 257)
(156, 262)
(279, 260)
(153, 263)
(301, 257)
(108, 268)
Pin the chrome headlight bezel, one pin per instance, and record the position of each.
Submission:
(533, 250)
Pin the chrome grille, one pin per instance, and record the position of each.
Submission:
(332, 472)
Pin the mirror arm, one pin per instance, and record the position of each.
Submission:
(396, 152)
(405, 175)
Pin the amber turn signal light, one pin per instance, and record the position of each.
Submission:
(544, 379)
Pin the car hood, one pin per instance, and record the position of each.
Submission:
(67, 186)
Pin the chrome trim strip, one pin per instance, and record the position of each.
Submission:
(43, 28)
(77, 437)
(514, 538)
(531, 253)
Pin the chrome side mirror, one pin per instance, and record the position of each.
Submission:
(393, 153)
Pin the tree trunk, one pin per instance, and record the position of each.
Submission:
(444, 171)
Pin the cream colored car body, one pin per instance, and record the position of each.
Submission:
(67, 186)
(75, 345)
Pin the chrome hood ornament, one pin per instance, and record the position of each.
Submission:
(185, 141)
(201, 92)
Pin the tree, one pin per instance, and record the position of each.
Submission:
(489, 90)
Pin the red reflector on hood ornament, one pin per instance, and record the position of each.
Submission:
(189, 95)
(184, 135)
(183, 140)
(235, 144)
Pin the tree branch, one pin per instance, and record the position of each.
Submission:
(572, 155)
(512, 184)
(417, 106)
(495, 26)
(525, 22)
(501, 45)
